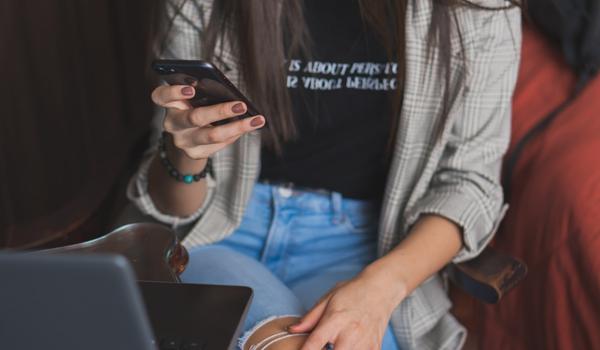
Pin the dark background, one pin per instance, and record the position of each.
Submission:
(75, 99)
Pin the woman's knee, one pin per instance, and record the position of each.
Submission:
(219, 265)
(224, 266)
(272, 334)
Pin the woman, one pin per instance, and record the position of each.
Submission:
(387, 122)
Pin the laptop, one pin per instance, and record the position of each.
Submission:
(92, 302)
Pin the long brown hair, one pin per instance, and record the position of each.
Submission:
(264, 34)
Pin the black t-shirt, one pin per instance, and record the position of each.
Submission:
(341, 100)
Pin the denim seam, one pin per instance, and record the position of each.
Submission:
(272, 228)
(337, 206)
(285, 261)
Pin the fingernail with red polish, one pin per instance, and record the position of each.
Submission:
(187, 91)
(238, 108)
(256, 122)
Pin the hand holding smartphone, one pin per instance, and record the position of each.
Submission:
(204, 111)
(211, 85)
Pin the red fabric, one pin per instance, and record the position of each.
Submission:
(554, 220)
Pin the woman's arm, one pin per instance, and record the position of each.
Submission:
(431, 245)
(367, 301)
(172, 197)
(191, 140)
(152, 190)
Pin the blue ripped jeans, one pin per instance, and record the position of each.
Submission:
(291, 248)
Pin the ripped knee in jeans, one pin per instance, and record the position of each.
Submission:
(272, 334)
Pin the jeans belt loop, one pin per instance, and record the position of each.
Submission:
(337, 203)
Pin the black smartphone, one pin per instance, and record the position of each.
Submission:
(212, 86)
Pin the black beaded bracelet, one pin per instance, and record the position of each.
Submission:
(173, 172)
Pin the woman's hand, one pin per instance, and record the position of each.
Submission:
(354, 315)
(191, 128)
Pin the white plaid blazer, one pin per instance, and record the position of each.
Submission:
(455, 175)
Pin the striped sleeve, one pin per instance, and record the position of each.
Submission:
(182, 24)
(465, 187)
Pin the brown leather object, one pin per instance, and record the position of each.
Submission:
(152, 249)
(489, 276)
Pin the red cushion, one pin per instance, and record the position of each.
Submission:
(554, 220)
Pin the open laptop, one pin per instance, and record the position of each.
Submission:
(92, 302)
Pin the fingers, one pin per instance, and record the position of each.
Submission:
(175, 96)
(310, 320)
(207, 115)
(325, 332)
(205, 136)
(344, 336)
(203, 116)
(205, 151)
(351, 339)
(198, 139)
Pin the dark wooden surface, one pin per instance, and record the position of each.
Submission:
(74, 114)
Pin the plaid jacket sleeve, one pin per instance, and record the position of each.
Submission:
(182, 30)
(465, 187)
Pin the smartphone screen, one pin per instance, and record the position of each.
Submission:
(212, 87)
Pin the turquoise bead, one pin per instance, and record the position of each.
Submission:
(188, 179)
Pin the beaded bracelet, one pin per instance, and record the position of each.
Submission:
(173, 172)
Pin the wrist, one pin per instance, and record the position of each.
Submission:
(391, 287)
(181, 160)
